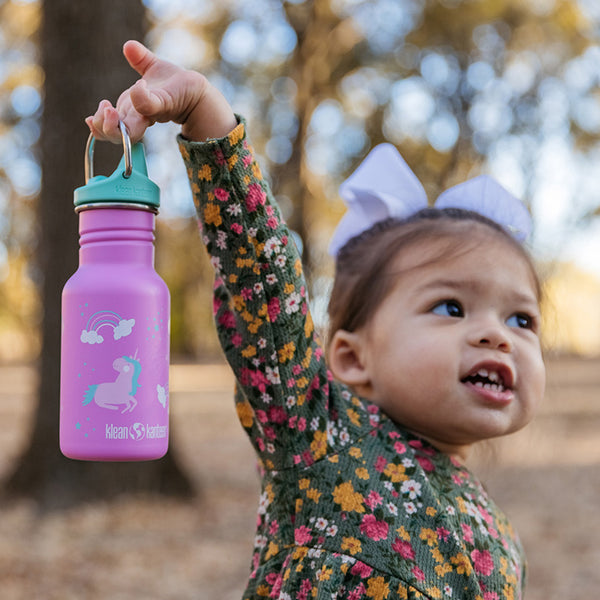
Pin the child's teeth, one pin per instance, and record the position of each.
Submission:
(493, 376)
(482, 373)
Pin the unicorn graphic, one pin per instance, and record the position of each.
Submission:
(121, 391)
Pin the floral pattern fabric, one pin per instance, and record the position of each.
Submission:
(352, 505)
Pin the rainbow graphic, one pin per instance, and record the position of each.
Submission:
(106, 318)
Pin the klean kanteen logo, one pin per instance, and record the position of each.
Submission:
(136, 432)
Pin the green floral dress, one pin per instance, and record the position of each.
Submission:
(352, 505)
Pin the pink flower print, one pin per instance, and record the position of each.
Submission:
(221, 194)
(277, 415)
(247, 160)
(227, 320)
(273, 309)
(404, 549)
(380, 464)
(418, 573)
(376, 530)
(301, 424)
(442, 533)
(255, 197)
(272, 222)
(246, 293)
(302, 535)
(220, 158)
(426, 464)
(361, 569)
(237, 228)
(357, 593)
(416, 443)
(373, 500)
(237, 339)
(399, 447)
(483, 562)
(274, 528)
(467, 533)
(490, 596)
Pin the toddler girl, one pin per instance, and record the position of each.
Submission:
(433, 347)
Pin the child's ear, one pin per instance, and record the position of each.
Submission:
(346, 360)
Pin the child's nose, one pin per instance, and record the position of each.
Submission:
(491, 334)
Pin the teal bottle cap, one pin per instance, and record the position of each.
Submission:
(128, 184)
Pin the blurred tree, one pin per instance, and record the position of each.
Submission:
(80, 50)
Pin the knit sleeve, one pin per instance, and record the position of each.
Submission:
(286, 401)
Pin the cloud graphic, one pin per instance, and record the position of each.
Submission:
(123, 329)
(162, 395)
(91, 337)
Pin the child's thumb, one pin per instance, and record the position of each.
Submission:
(138, 56)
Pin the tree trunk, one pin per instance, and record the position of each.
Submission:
(80, 49)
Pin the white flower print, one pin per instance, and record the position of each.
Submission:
(292, 303)
(280, 261)
(221, 240)
(321, 524)
(332, 530)
(234, 209)
(412, 488)
(410, 508)
(273, 375)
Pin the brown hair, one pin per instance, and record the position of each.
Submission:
(362, 272)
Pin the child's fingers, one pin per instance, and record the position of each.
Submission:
(144, 100)
(104, 124)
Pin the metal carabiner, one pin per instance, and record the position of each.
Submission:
(89, 153)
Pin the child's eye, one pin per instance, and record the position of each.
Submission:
(520, 320)
(448, 308)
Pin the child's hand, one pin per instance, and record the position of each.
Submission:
(165, 92)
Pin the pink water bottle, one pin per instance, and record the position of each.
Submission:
(114, 398)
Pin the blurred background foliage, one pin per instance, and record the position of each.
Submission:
(508, 87)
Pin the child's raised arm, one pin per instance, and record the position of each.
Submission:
(164, 93)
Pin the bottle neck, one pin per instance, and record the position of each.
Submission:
(116, 234)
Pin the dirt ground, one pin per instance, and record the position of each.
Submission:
(547, 478)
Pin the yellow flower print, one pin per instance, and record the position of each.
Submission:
(509, 592)
(395, 472)
(256, 171)
(351, 545)
(236, 134)
(289, 288)
(319, 444)
(347, 498)
(325, 573)
(245, 413)
(362, 473)
(184, 152)
(255, 326)
(314, 495)
(434, 592)
(249, 352)
(353, 416)
(272, 550)
(304, 484)
(231, 162)
(378, 589)
(430, 511)
(309, 326)
(204, 173)
(429, 536)
(355, 452)
(287, 352)
(298, 267)
(301, 382)
(462, 564)
(443, 570)
(403, 534)
(402, 592)
(212, 215)
(263, 590)
(307, 357)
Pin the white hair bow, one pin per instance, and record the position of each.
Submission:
(384, 186)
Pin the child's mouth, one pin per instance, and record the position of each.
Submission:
(489, 380)
(493, 383)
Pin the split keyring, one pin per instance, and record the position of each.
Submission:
(89, 153)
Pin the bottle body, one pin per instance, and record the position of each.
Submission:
(114, 401)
